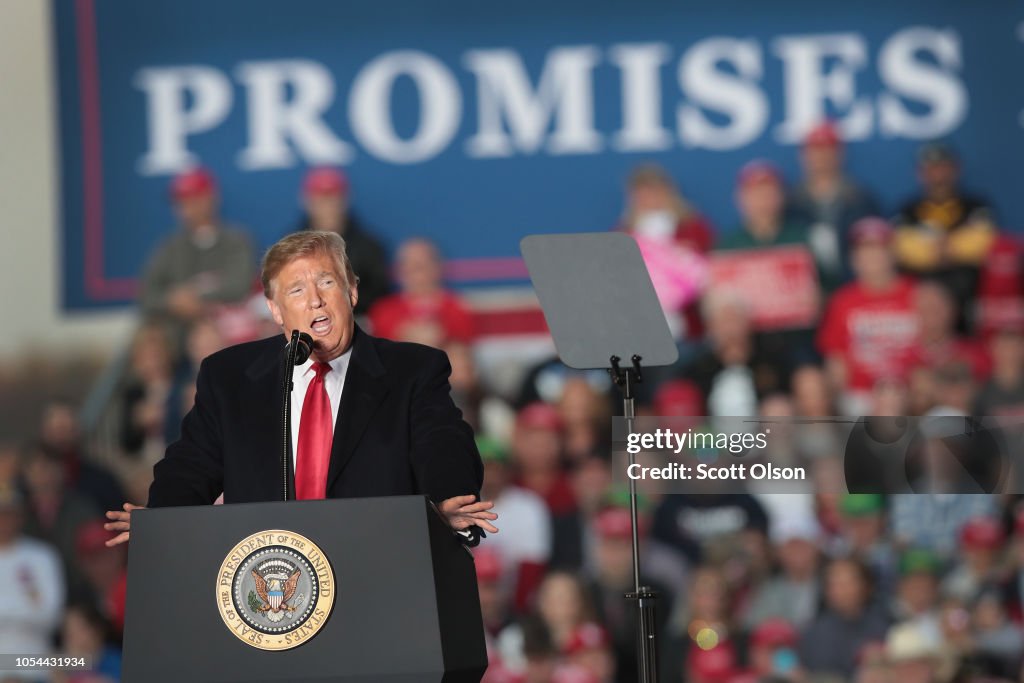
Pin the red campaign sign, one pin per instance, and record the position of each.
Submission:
(779, 284)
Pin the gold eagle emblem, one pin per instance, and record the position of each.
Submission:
(286, 589)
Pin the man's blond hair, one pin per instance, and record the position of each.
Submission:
(306, 243)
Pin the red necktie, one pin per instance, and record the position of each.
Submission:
(316, 431)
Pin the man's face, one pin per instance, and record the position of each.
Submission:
(419, 268)
(728, 324)
(496, 478)
(590, 480)
(822, 159)
(761, 201)
(650, 197)
(60, 426)
(614, 560)
(537, 448)
(935, 309)
(919, 592)
(325, 209)
(844, 589)
(939, 176)
(799, 558)
(492, 600)
(310, 295)
(198, 211)
(1008, 349)
(863, 531)
(811, 392)
(44, 475)
(872, 261)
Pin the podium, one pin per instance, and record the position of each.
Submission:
(352, 590)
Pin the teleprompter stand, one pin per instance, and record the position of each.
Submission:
(601, 307)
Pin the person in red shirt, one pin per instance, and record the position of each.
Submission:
(870, 325)
(772, 650)
(423, 310)
(537, 453)
(589, 648)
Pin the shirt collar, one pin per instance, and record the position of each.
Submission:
(336, 365)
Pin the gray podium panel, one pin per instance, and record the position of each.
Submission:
(598, 299)
(406, 605)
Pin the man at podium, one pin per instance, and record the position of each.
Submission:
(369, 417)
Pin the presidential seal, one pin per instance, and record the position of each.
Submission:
(275, 590)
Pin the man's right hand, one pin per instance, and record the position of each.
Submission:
(121, 521)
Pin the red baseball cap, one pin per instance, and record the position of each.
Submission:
(871, 229)
(540, 415)
(325, 181)
(587, 636)
(615, 522)
(715, 665)
(981, 533)
(757, 172)
(197, 182)
(774, 633)
(91, 537)
(488, 564)
(824, 135)
(678, 398)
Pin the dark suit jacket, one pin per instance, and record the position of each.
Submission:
(398, 431)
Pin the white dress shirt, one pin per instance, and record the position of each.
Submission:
(334, 382)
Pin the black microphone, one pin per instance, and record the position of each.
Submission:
(297, 352)
(303, 347)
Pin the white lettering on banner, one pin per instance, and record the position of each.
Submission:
(809, 86)
(641, 97)
(170, 122)
(737, 96)
(564, 93)
(719, 100)
(274, 118)
(370, 107)
(934, 85)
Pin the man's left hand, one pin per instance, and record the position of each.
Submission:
(462, 512)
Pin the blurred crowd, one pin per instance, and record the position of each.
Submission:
(919, 311)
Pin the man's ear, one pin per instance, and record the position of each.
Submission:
(275, 312)
(353, 296)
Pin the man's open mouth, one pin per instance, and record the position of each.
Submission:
(321, 325)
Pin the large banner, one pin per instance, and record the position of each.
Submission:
(478, 123)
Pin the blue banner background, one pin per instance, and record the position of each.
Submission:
(480, 208)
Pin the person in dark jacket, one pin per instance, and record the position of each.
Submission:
(850, 621)
(828, 201)
(370, 417)
(326, 197)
